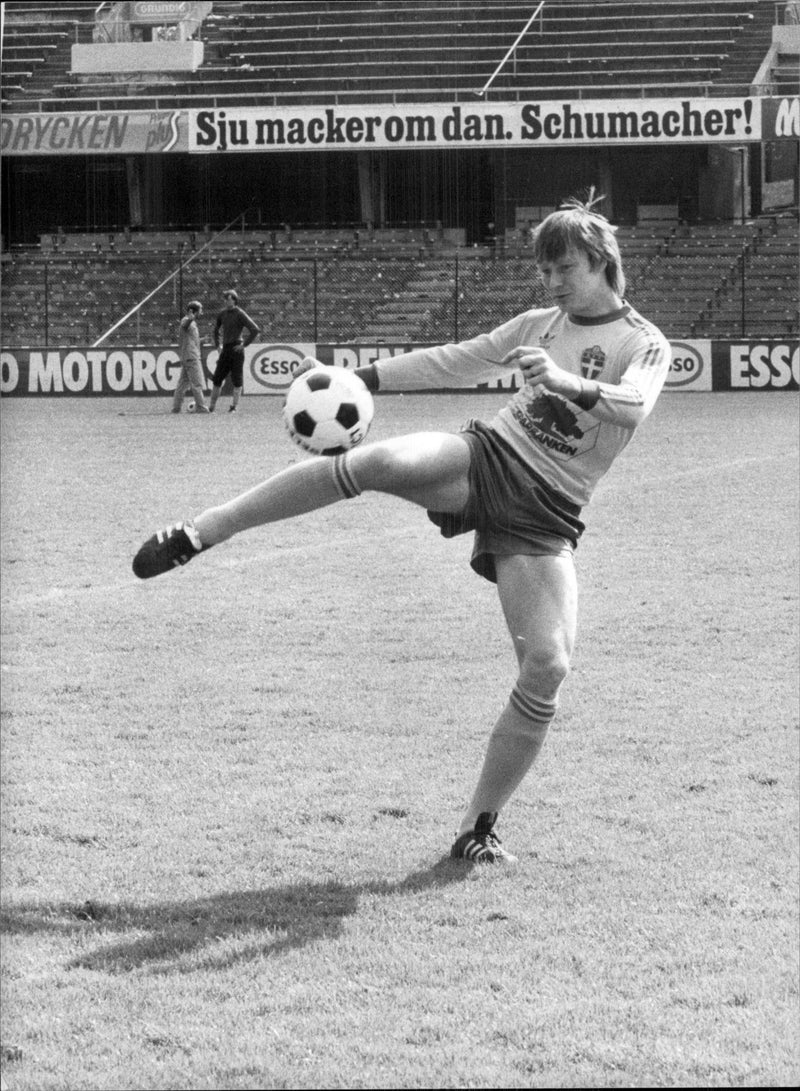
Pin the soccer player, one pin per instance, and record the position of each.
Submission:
(592, 368)
(229, 330)
(191, 373)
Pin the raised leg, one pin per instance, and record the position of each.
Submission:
(427, 468)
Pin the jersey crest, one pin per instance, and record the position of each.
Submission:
(593, 361)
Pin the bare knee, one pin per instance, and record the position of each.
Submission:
(542, 672)
(375, 467)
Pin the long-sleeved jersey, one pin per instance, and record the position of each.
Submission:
(189, 341)
(230, 325)
(624, 357)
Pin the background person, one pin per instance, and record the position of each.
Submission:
(191, 373)
(593, 368)
(232, 326)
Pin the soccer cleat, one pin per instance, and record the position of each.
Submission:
(167, 549)
(232, 409)
(481, 845)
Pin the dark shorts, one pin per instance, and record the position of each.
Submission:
(230, 362)
(510, 508)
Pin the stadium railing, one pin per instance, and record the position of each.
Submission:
(351, 52)
(703, 280)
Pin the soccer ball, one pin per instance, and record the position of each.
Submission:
(328, 410)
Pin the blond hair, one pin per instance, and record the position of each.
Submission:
(576, 225)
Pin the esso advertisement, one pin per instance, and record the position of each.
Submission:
(270, 368)
(751, 365)
(730, 365)
(691, 366)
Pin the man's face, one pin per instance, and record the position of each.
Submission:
(575, 286)
(230, 301)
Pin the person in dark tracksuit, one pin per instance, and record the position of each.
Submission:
(229, 332)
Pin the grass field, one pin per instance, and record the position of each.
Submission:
(228, 792)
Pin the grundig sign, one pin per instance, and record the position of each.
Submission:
(155, 11)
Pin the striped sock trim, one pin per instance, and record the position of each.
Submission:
(533, 708)
(343, 479)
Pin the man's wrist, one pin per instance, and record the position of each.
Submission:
(369, 376)
(588, 394)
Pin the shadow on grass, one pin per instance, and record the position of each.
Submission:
(179, 936)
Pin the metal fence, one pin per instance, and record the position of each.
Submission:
(138, 300)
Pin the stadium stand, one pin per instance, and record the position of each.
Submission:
(759, 289)
(42, 36)
(304, 52)
(689, 281)
(409, 282)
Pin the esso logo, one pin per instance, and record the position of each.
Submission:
(274, 366)
(686, 366)
(765, 367)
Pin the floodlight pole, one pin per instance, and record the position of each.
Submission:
(180, 280)
(741, 149)
(519, 38)
(47, 304)
(455, 300)
(741, 187)
(316, 299)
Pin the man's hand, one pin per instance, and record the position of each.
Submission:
(538, 369)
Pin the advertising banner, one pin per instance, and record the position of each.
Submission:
(780, 118)
(756, 365)
(691, 366)
(67, 372)
(697, 366)
(107, 372)
(159, 11)
(94, 133)
(552, 124)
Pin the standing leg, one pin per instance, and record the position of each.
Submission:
(194, 372)
(237, 374)
(181, 387)
(220, 374)
(539, 598)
